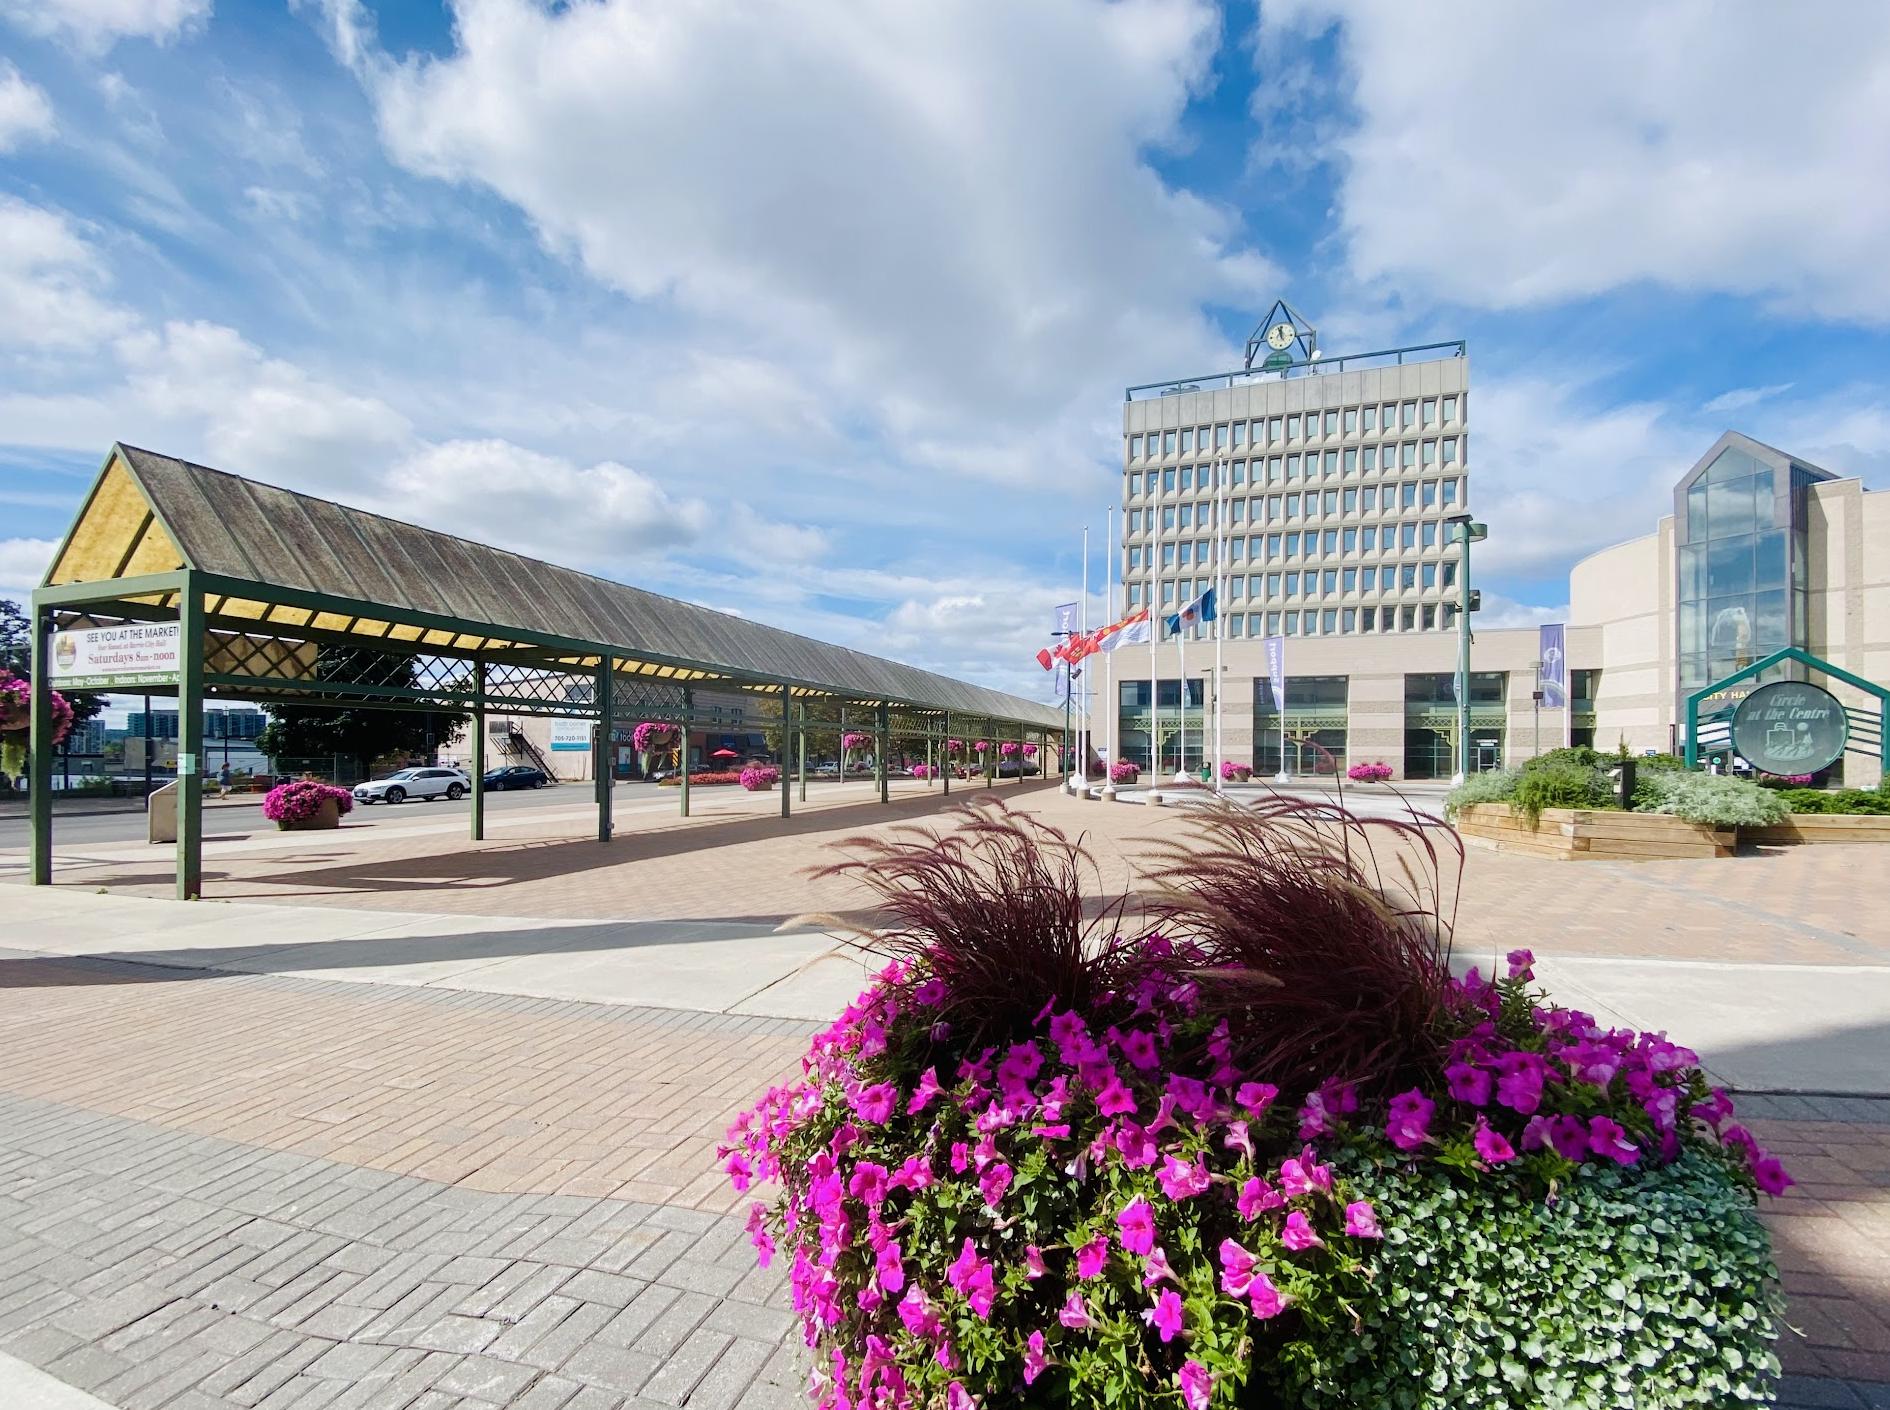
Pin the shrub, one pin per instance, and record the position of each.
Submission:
(921, 770)
(1714, 799)
(1561, 784)
(1580, 756)
(301, 799)
(1375, 772)
(1494, 786)
(755, 777)
(1062, 1155)
(1873, 802)
(704, 778)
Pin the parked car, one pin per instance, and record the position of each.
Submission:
(515, 776)
(414, 783)
(1010, 768)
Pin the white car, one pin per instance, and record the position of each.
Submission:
(414, 783)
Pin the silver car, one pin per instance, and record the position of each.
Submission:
(414, 783)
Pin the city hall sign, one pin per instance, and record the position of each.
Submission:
(1790, 727)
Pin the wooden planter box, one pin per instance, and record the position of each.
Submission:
(1801, 828)
(328, 815)
(1577, 834)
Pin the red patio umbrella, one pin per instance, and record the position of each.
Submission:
(725, 754)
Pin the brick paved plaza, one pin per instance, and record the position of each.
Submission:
(262, 1189)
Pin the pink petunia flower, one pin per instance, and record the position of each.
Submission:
(1115, 1099)
(994, 1182)
(1239, 1139)
(958, 1398)
(1767, 1173)
(1521, 964)
(1256, 1197)
(1237, 1269)
(972, 1277)
(1469, 1084)
(1266, 1300)
(1606, 1137)
(925, 1093)
(1408, 1123)
(1182, 1179)
(1297, 1234)
(1256, 1097)
(869, 1183)
(1138, 1046)
(889, 1269)
(1491, 1145)
(1137, 1223)
(1519, 1082)
(874, 1105)
(1197, 1385)
(1035, 1362)
(1033, 1262)
(1075, 1314)
(931, 993)
(1092, 1257)
(1156, 1267)
(1165, 1316)
(1361, 1221)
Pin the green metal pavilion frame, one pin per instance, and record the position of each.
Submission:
(286, 597)
(1806, 659)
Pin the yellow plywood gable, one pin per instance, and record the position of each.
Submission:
(117, 536)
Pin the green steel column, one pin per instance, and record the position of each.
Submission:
(190, 741)
(800, 756)
(682, 754)
(601, 748)
(40, 750)
(787, 718)
(479, 750)
(945, 751)
(1020, 756)
(881, 744)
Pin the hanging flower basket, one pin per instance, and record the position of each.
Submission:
(1010, 749)
(1030, 751)
(16, 719)
(760, 778)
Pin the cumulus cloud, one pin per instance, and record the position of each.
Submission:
(1505, 155)
(942, 211)
(93, 26)
(51, 282)
(26, 114)
(23, 564)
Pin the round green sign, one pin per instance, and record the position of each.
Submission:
(1790, 727)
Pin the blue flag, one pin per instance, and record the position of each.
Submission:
(1200, 610)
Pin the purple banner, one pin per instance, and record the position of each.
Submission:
(1551, 640)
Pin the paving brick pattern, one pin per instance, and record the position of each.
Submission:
(161, 1269)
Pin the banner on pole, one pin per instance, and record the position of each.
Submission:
(1551, 640)
(1276, 669)
(1065, 618)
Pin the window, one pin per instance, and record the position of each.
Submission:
(1407, 455)
(1133, 595)
(1135, 557)
(1273, 468)
(1168, 442)
(1408, 621)
(1351, 501)
(1168, 480)
(1410, 416)
(1351, 580)
(1427, 575)
(1234, 547)
(1332, 462)
(1368, 539)
(1407, 576)
(1368, 579)
(1238, 474)
(1369, 499)
(1407, 497)
(1351, 540)
(1351, 421)
(1292, 467)
(1273, 624)
(1135, 447)
(1273, 509)
(1351, 462)
(1332, 501)
(1168, 555)
(1292, 624)
(1430, 533)
(1427, 494)
(1292, 428)
(1187, 554)
(1234, 587)
(1273, 430)
(1273, 545)
(1407, 536)
(1368, 419)
(1292, 545)
(1450, 491)
(1187, 516)
(1168, 516)
(1332, 540)
(1135, 521)
(1187, 478)
(1168, 592)
(1332, 423)
(1220, 438)
(1349, 618)
(1450, 408)
(1450, 450)
(1235, 510)
(1328, 623)
(1450, 575)
(1292, 584)
(1135, 484)
(1430, 618)
(1292, 506)
(1368, 459)
(1429, 411)
(1329, 581)
(1273, 584)
(1429, 456)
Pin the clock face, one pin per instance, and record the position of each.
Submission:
(1280, 336)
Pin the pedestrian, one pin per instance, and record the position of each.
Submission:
(223, 780)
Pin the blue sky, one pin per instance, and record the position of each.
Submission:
(822, 314)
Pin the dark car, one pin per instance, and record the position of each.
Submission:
(515, 776)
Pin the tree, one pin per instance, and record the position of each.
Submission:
(298, 732)
(16, 655)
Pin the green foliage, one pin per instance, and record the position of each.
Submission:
(361, 735)
(1713, 799)
(1563, 783)
(1579, 756)
(1496, 786)
(1873, 802)
(1644, 1287)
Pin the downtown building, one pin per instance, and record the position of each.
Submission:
(1316, 493)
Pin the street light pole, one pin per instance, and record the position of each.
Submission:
(1467, 532)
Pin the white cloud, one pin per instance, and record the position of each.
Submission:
(934, 212)
(25, 112)
(1739, 398)
(1507, 155)
(93, 26)
(1499, 611)
(23, 563)
(50, 282)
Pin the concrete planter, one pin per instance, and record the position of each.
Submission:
(1582, 834)
(328, 815)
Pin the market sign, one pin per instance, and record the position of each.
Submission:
(134, 655)
(1790, 727)
(569, 735)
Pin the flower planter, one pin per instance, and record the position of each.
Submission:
(1583, 834)
(328, 814)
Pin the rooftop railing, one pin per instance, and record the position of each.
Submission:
(1248, 376)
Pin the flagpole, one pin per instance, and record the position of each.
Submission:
(1181, 666)
(1082, 709)
(1220, 628)
(1110, 708)
(1154, 674)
